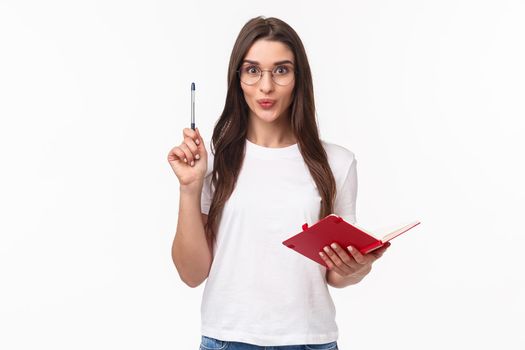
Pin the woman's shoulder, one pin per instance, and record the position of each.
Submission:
(340, 159)
(338, 154)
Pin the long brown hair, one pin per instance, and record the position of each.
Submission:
(229, 134)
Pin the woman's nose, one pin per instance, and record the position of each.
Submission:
(266, 82)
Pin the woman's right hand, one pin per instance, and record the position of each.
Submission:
(191, 149)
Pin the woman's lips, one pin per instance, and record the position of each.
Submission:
(266, 104)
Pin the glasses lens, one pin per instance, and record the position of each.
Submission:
(283, 75)
(251, 74)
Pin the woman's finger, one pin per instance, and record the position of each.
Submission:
(358, 257)
(188, 156)
(336, 259)
(176, 154)
(187, 132)
(345, 256)
(331, 265)
(199, 137)
(192, 146)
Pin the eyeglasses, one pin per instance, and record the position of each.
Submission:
(281, 75)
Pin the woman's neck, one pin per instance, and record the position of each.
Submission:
(274, 135)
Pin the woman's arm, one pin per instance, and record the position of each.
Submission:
(191, 252)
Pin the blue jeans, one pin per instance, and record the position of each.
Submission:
(208, 343)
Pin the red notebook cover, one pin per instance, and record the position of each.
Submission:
(333, 228)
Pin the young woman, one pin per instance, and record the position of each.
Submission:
(267, 175)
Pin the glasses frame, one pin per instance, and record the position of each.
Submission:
(266, 70)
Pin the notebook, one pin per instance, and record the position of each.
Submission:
(333, 228)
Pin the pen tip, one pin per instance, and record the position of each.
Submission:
(193, 86)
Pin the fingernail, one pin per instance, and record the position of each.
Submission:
(350, 248)
(185, 160)
(192, 163)
(197, 142)
(197, 156)
(334, 245)
(326, 249)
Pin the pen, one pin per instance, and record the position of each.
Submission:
(193, 106)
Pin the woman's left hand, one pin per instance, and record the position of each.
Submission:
(354, 264)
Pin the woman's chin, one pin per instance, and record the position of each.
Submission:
(267, 116)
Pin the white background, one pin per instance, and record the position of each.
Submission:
(429, 95)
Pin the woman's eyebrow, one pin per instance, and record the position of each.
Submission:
(276, 63)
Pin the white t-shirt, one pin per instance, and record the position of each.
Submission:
(259, 291)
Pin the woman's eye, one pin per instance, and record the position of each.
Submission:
(252, 69)
(281, 70)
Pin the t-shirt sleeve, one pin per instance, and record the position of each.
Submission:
(345, 202)
(206, 195)
(207, 191)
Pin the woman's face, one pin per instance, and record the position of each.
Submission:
(276, 57)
